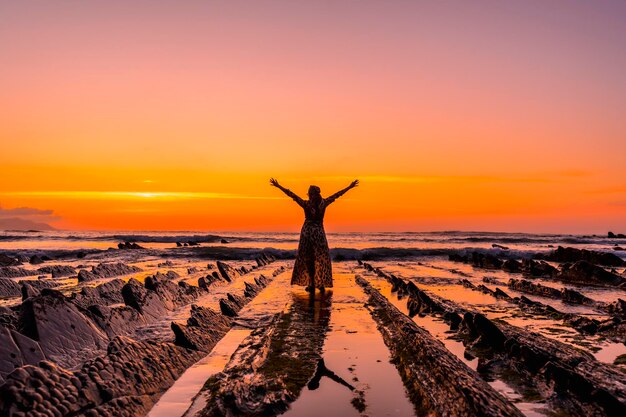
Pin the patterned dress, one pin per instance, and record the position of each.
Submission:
(313, 266)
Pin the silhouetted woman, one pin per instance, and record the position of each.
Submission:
(313, 268)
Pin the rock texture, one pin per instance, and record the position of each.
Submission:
(570, 380)
(126, 380)
(57, 271)
(436, 380)
(583, 272)
(562, 254)
(106, 270)
(61, 328)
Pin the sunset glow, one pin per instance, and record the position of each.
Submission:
(173, 116)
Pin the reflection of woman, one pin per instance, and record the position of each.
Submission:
(312, 267)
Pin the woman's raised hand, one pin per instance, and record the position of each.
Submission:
(273, 182)
(354, 183)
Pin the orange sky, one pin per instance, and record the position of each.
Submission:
(168, 115)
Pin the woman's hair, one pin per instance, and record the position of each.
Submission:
(315, 194)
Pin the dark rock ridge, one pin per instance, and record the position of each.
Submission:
(194, 336)
(569, 380)
(11, 288)
(127, 381)
(562, 254)
(612, 235)
(8, 261)
(106, 293)
(564, 294)
(612, 328)
(15, 272)
(61, 327)
(106, 270)
(129, 245)
(227, 272)
(203, 330)
(436, 380)
(538, 269)
(583, 272)
(57, 271)
(16, 350)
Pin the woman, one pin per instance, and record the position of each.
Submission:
(313, 268)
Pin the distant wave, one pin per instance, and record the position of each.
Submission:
(343, 254)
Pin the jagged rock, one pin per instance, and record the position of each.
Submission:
(171, 294)
(583, 272)
(237, 300)
(125, 382)
(28, 291)
(192, 243)
(251, 290)
(166, 264)
(192, 270)
(228, 272)
(8, 261)
(16, 350)
(612, 235)
(562, 254)
(106, 270)
(492, 280)
(59, 326)
(57, 271)
(511, 265)
(228, 308)
(36, 260)
(203, 283)
(497, 246)
(116, 321)
(486, 330)
(145, 301)
(179, 244)
(538, 268)
(264, 259)
(107, 293)
(564, 294)
(618, 308)
(486, 261)
(15, 272)
(129, 245)
(455, 257)
(9, 288)
(223, 241)
(204, 328)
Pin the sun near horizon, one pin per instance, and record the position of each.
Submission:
(173, 116)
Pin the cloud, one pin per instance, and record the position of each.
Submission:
(123, 195)
(24, 212)
(26, 218)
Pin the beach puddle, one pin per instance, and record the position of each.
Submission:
(180, 396)
(355, 352)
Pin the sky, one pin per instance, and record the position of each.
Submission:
(455, 115)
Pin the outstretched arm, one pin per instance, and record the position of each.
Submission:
(287, 191)
(338, 194)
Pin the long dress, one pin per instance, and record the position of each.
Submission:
(313, 266)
